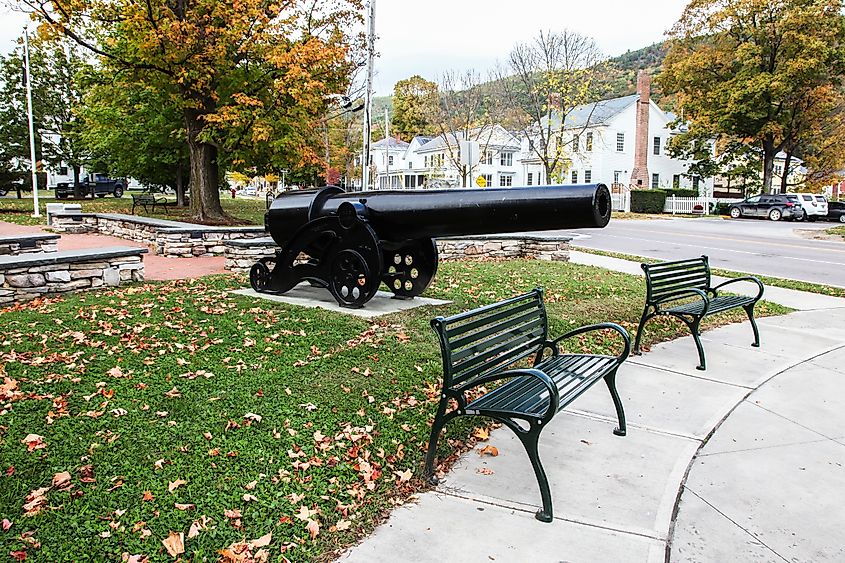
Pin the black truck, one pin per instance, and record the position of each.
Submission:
(99, 185)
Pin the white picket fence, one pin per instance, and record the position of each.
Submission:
(694, 205)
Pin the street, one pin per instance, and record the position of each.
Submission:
(745, 245)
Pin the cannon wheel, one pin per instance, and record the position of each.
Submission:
(352, 281)
(410, 267)
(259, 276)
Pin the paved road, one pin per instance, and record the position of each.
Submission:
(745, 245)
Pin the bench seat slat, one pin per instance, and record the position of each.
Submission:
(717, 305)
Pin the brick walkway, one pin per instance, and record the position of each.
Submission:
(155, 267)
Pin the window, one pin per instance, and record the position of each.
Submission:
(574, 176)
(588, 142)
(506, 159)
(63, 170)
(487, 158)
(530, 145)
(620, 142)
(530, 181)
(426, 162)
(778, 169)
(488, 178)
(657, 145)
(676, 181)
(588, 174)
(506, 180)
(576, 143)
(410, 165)
(695, 183)
(616, 175)
(390, 160)
(655, 178)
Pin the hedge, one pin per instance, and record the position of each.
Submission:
(647, 201)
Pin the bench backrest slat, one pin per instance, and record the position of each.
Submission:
(491, 338)
(668, 279)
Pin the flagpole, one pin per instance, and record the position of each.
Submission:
(31, 124)
(371, 31)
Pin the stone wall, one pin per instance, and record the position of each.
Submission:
(166, 238)
(28, 244)
(241, 255)
(29, 279)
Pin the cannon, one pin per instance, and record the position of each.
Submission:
(351, 242)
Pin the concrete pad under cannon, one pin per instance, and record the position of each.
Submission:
(475, 532)
(305, 295)
(664, 401)
(623, 482)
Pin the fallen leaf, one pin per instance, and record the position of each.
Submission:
(18, 555)
(403, 475)
(207, 435)
(105, 534)
(180, 506)
(159, 463)
(251, 485)
(249, 498)
(253, 417)
(6, 524)
(342, 525)
(173, 393)
(147, 496)
(61, 480)
(175, 543)
(34, 442)
(484, 471)
(234, 513)
(173, 485)
(313, 528)
(481, 434)
(127, 558)
(305, 513)
(263, 541)
(492, 451)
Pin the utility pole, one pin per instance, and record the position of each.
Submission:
(37, 212)
(387, 148)
(371, 32)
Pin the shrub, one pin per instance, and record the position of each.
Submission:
(647, 201)
(681, 192)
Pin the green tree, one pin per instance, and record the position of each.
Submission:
(248, 78)
(754, 69)
(414, 100)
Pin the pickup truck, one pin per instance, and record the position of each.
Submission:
(99, 185)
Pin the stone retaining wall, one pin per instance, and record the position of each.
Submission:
(241, 255)
(166, 238)
(28, 244)
(28, 279)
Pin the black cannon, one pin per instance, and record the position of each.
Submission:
(352, 242)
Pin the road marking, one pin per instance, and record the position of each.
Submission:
(747, 241)
(729, 250)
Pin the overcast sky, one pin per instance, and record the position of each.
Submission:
(428, 37)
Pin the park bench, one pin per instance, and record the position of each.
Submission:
(682, 289)
(490, 345)
(148, 201)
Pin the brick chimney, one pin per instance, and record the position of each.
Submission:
(639, 176)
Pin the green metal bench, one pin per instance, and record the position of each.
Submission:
(682, 289)
(490, 344)
(148, 200)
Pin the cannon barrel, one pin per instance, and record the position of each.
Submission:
(397, 215)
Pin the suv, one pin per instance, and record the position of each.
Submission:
(773, 206)
(98, 185)
(814, 206)
(836, 211)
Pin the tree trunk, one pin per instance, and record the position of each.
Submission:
(768, 165)
(180, 186)
(204, 175)
(76, 171)
(784, 184)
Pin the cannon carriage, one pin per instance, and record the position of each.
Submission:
(352, 242)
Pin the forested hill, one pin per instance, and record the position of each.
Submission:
(622, 74)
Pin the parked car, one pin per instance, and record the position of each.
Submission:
(773, 206)
(836, 211)
(99, 185)
(814, 206)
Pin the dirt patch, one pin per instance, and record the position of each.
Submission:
(818, 235)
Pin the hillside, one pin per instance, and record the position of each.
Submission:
(622, 74)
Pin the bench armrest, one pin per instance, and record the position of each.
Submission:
(685, 293)
(626, 338)
(554, 394)
(744, 278)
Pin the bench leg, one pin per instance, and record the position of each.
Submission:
(696, 334)
(530, 440)
(610, 380)
(749, 310)
(639, 336)
(436, 427)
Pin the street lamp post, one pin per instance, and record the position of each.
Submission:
(37, 212)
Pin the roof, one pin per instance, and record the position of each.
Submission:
(389, 143)
(596, 113)
(450, 139)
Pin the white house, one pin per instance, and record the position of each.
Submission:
(602, 140)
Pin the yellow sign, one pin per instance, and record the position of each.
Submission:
(482, 183)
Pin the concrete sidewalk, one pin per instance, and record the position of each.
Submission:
(742, 462)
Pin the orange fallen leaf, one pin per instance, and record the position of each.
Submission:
(492, 451)
(313, 528)
(62, 480)
(147, 496)
(481, 434)
(175, 543)
(34, 442)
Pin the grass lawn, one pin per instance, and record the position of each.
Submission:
(837, 231)
(133, 415)
(13, 210)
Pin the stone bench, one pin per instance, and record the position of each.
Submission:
(27, 244)
(27, 276)
(166, 238)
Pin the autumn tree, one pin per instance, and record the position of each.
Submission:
(543, 82)
(248, 78)
(756, 70)
(414, 100)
